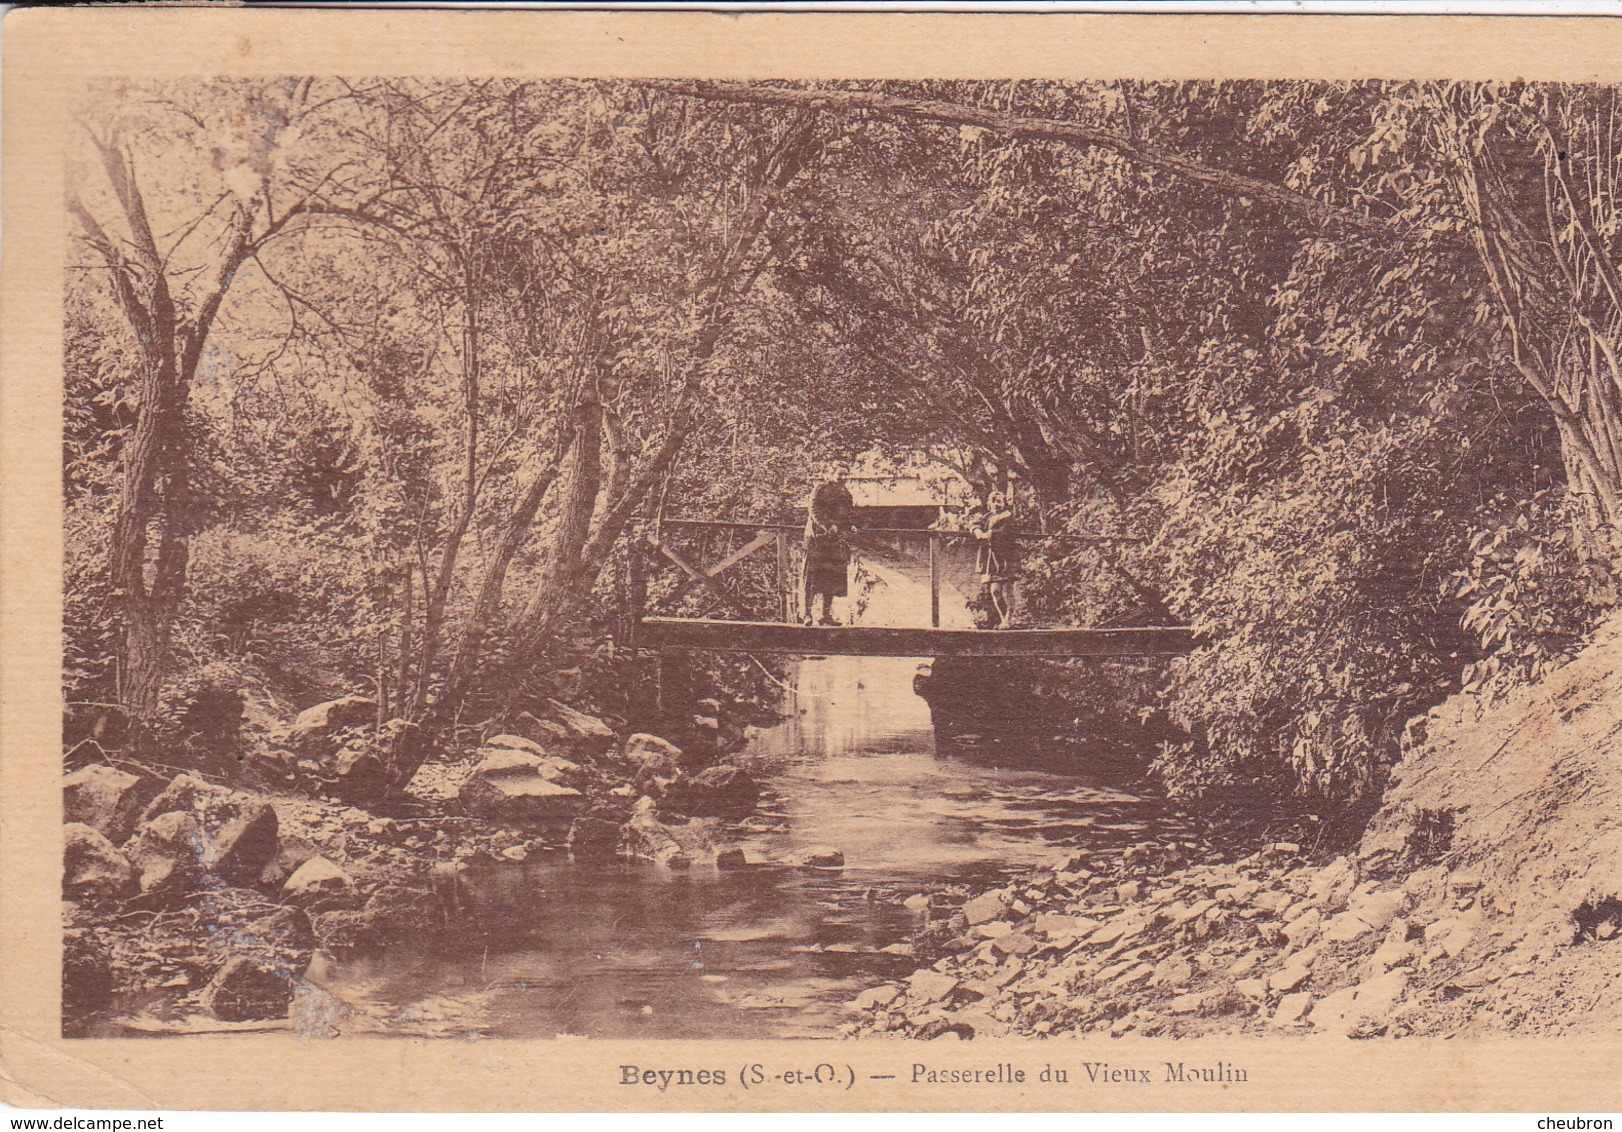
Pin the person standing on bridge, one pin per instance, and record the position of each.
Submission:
(830, 519)
(997, 558)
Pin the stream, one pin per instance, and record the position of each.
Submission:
(631, 950)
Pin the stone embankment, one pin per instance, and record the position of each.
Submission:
(1259, 945)
(211, 902)
(1485, 898)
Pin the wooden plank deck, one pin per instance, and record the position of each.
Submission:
(873, 640)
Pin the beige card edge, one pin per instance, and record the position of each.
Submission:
(46, 51)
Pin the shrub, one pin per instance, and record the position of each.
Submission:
(1533, 592)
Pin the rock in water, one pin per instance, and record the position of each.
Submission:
(817, 857)
(593, 838)
(107, 800)
(93, 868)
(398, 912)
(282, 942)
(647, 837)
(168, 854)
(508, 786)
(245, 992)
(721, 791)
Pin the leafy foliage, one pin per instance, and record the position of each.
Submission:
(1339, 357)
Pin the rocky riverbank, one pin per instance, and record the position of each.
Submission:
(1484, 898)
(196, 906)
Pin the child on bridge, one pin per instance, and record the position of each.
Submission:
(997, 558)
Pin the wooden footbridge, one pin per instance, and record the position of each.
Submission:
(747, 598)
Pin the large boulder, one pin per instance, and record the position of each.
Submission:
(359, 775)
(106, 799)
(653, 757)
(553, 768)
(645, 836)
(315, 732)
(242, 838)
(93, 868)
(704, 743)
(392, 914)
(346, 711)
(517, 743)
(401, 912)
(564, 772)
(168, 853)
(510, 786)
(243, 991)
(676, 844)
(239, 832)
(570, 733)
(721, 791)
(185, 793)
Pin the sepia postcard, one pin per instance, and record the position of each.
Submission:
(793, 561)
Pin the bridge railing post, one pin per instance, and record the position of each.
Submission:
(934, 582)
(785, 584)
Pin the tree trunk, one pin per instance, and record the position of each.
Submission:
(1556, 289)
(155, 493)
(144, 663)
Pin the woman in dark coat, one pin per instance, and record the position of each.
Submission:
(830, 518)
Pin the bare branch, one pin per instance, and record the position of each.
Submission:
(1044, 129)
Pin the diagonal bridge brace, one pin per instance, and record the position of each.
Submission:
(707, 578)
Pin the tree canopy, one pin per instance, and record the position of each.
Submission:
(368, 379)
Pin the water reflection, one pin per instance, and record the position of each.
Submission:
(633, 951)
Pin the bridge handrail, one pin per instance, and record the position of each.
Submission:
(909, 532)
